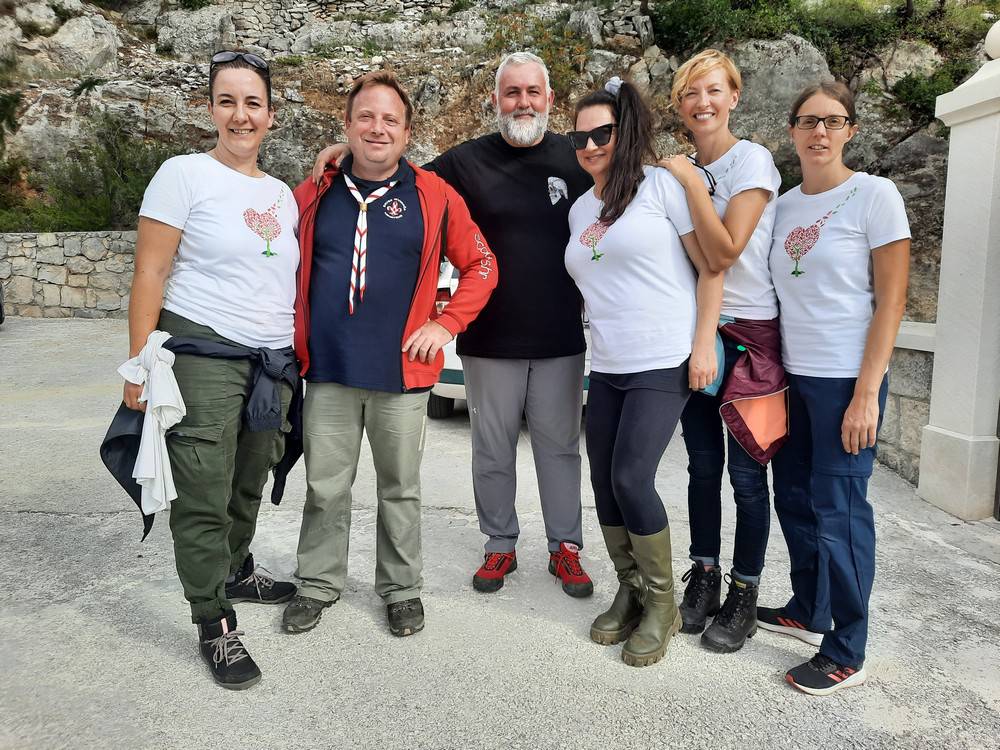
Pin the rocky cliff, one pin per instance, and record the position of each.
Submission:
(145, 63)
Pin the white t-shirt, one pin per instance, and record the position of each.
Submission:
(235, 266)
(640, 293)
(748, 291)
(822, 271)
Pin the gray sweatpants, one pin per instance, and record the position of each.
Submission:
(549, 392)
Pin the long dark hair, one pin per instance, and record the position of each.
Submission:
(633, 148)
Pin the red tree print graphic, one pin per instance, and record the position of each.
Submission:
(802, 239)
(265, 225)
(591, 236)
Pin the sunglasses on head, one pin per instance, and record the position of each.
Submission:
(600, 136)
(248, 57)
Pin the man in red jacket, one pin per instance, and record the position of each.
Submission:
(371, 235)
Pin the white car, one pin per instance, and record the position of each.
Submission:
(451, 384)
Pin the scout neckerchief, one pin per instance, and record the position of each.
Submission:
(360, 261)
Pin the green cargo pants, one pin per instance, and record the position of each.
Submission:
(334, 419)
(219, 469)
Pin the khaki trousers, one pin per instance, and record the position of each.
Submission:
(334, 419)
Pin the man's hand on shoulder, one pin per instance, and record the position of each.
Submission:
(424, 343)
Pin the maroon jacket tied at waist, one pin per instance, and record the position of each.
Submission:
(753, 396)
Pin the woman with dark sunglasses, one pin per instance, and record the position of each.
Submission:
(731, 186)
(215, 260)
(653, 304)
(840, 263)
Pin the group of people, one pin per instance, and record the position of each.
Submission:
(762, 323)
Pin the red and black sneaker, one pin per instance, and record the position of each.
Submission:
(775, 620)
(821, 675)
(489, 577)
(565, 565)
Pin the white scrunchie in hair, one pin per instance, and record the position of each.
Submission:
(613, 85)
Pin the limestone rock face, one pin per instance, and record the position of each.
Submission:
(919, 167)
(38, 17)
(587, 24)
(195, 35)
(880, 128)
(909, 57)
(10, 35)
(85, 44)
(774, 72)
(144, 13)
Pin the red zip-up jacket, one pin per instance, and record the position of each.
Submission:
(448, 231)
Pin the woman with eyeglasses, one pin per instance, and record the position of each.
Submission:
(215, 262)
(653, 304)
(731, 186)
(840, 263)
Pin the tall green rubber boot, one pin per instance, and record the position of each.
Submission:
(615, 625)
(660, 618)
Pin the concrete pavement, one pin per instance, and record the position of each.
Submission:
(98, 651)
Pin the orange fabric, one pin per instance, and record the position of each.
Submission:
(766, 417)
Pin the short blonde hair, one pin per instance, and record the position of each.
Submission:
(704, 62)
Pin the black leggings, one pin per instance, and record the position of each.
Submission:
(627, 431)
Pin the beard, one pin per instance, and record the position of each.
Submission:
(522, 133)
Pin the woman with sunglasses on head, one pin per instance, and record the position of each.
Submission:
(215, 263)
(840, 264)
(653, 304)
(730, 185)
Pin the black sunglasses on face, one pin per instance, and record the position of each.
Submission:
(711, 177)
(600, 136)
(830, 122)
(248, 57)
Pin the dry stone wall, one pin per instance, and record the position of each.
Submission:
(67, 274)
(907, 411)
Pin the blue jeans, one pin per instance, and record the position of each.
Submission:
(820, 497)
(704, 437)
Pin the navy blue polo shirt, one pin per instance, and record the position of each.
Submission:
(363, 350)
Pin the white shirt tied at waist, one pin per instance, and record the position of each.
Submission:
(152, 368)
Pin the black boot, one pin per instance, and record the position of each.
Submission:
(255, 584)
(736, 621)
(222, 648)
(702, 597)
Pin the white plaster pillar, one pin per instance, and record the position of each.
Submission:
(959, 448)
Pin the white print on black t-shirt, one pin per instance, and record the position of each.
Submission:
(486, 262)
(557, 189)
(394, 208)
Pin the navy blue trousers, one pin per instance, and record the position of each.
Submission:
(707, 442)
(820, 497)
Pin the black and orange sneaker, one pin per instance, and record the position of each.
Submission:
(496, 565)
(565, 565)
(775, 620)
(821, 675)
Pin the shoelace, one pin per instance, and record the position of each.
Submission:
(823, 664)
(495, 559)
(697, 589)
(258, 580)
(569, 562)
(229, 648)
(407, 606)
(734, 607)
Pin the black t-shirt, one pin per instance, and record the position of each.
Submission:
(363, 350)
(520, 198)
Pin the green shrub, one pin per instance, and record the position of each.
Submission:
(917, 93)
(290, 61)
(849, 33)
(100, 189)
(194, 4)
(459, 5)
(9, 102)
(564, 53)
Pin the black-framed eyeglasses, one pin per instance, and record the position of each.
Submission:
(248, 57)
(830, 122)
(711, 177)
(600, 135)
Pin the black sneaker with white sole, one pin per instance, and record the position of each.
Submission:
(775, 620)
(821, 675)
